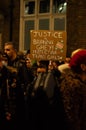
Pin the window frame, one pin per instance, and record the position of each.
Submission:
(36, 17)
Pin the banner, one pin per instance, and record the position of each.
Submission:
(48, 45)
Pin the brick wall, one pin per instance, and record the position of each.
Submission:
(76, 25)
(11, 28)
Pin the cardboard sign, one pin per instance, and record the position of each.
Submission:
(48, 45)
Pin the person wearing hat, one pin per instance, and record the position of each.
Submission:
(73, 90)
(64, 68)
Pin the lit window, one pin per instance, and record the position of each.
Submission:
(59, 6)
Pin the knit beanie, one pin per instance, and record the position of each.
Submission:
(78, 59)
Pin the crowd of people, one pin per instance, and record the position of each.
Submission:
(42, 95)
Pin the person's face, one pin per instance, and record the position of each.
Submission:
(28, 61)
(9, 50)
(55, 65)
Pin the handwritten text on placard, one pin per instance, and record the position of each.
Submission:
(48, 45)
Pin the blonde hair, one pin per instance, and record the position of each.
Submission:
(75, 51)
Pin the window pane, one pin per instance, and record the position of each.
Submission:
(59, 6)
(44, 24)
(44, 6)
(29, 25)
(59, 24)
(29, 7)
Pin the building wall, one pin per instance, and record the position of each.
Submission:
(10, 31)
(76, 25)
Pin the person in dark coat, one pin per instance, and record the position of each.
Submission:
(11, 99)
(73, 90)
(45, 101)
